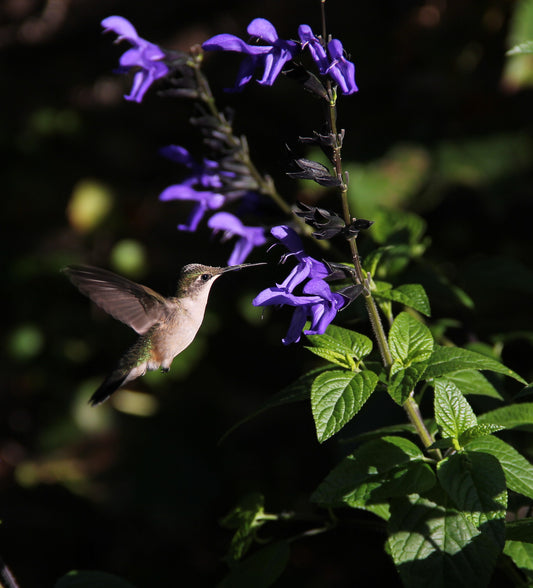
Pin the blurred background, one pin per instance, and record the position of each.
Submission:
(441, 127)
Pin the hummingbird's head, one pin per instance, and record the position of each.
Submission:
(195, 277)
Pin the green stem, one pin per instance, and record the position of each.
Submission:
(410, 406)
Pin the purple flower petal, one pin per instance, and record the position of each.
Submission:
(294, 333)
(288, 237)
(143, 55)
(227, 42)
(121, 26)
(318, 53)
(341, 70)
(178, 154)
(318, 304)
(272, 57)
(263, 29)
(250, 237)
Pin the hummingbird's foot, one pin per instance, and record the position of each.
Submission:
(165, 370)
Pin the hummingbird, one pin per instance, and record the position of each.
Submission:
(166, 325)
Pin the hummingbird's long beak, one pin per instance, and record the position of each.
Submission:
(231, 268)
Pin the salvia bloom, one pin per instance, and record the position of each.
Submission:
(335, 65)
(307, 266)
(249, 237)
(201, 186)
(318, 304)
(143, 55)
(271, 57)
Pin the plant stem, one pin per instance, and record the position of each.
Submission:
(7, 580)
(410, 406)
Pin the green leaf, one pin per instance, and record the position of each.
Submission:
(393, 227)
(409, 340)
(246, 519)
(447, 360)
(261, 569)
(343, 360)
(337, 396)
(397, 429)
(342, 341)
(379, 469)
(477, 431)
(90, 579)
(411, 295)
(473, 382)
(522, 556)
(525, 48)
(297, 391)
(518, 471)
(510, 417)
(476, 484)
(452, 412)
(403, 380)
(390, 260)
(433, 544)
(521, 530)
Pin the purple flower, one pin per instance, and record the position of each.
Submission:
(318, 305)
(144, 55)
(307, 267)
(336, 65)
(250, 237)
(201, 186)
(204, 201)
(271, 57)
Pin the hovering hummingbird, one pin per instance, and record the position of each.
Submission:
(166, 325)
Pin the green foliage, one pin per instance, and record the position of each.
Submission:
(246, 518)
(517, 469)
(412, 295)
(432, 543)
(261, 569)
(448, 360)
(341, 346)
(411, 344)
(91, 579)
(510, 417)
(452, 412)
(375, 472)
(442, 482)
(337, 396)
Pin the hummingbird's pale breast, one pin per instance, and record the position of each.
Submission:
(178, 331)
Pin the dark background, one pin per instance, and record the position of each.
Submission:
(441, 123)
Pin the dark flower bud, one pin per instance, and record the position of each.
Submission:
(338, 271)
(313, 170)
(327, 223)
(318, 139)
(350, 293)
(352, 230)
(308, 80)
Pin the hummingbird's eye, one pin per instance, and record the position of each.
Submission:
(205, 277)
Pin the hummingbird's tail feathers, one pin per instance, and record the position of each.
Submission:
(111, 384)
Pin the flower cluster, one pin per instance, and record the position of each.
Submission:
(218, 181)
(318, 304)
(206, 186)
(273, 56)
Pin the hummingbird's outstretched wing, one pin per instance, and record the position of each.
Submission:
(134, 304)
